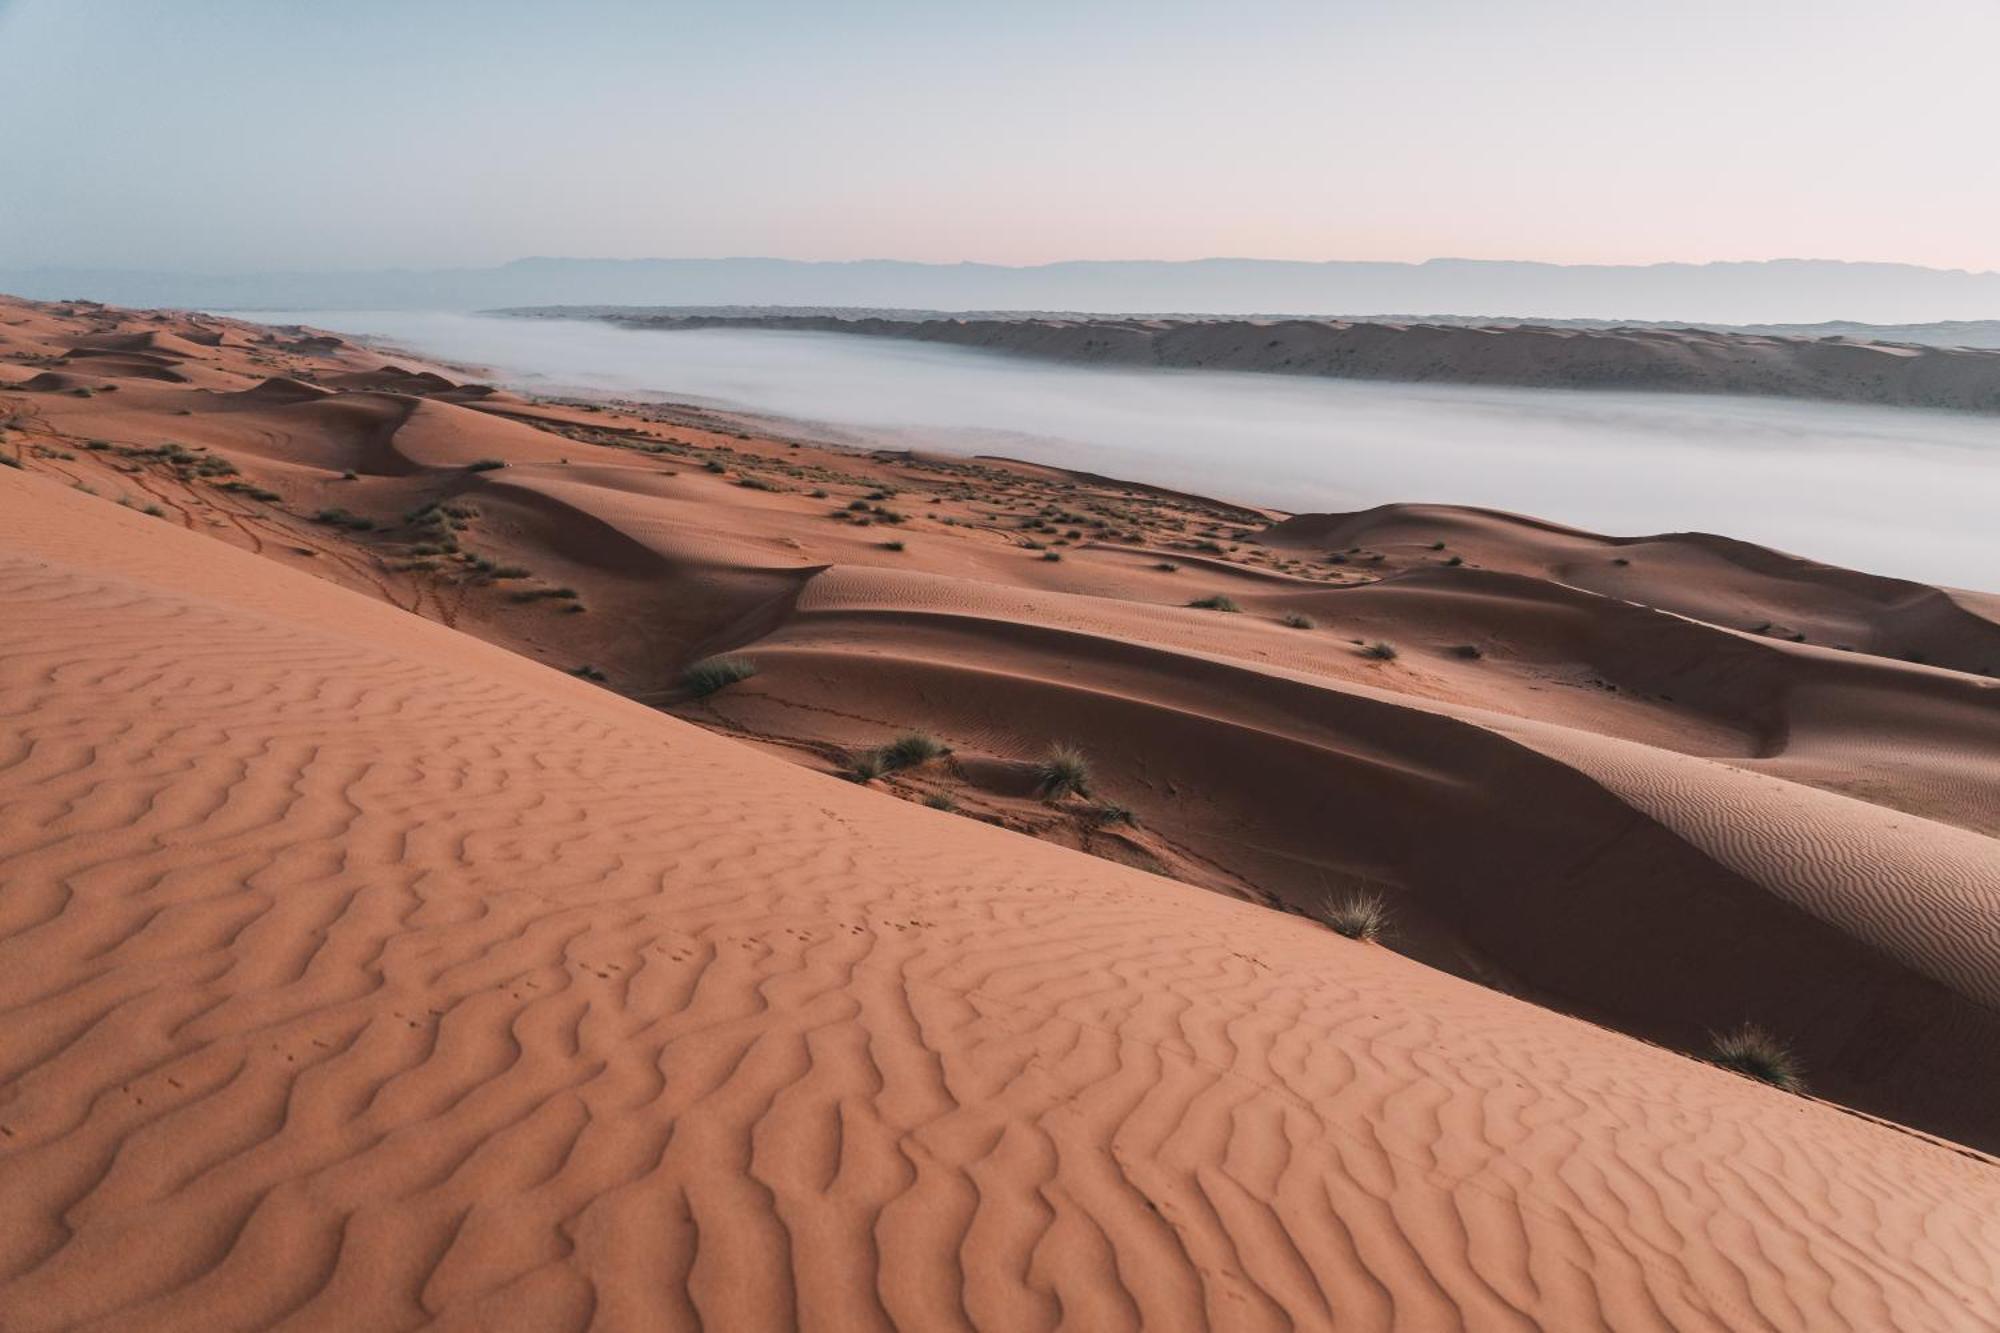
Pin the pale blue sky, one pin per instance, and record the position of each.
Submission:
(227, 134)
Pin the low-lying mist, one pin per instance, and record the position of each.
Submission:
(1893, 491)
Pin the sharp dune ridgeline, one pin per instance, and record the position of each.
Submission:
(1831, 369)
(479, 861)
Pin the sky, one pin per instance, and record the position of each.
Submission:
(231, 135)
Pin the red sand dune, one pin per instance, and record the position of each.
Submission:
(359, 971)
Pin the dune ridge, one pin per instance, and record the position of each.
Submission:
(1679, 360)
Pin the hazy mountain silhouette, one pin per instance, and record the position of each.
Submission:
(1773, 291)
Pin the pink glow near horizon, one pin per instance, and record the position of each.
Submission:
(242, 134)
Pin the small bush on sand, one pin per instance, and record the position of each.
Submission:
(1297, 622)
(485, 465)
(913, 748)
(589, 672)
(710, 674)
(941, 800)
(1380, 651)
(1107, 812)
(1471, 652)
(1358, 916)
(866, 766)
(893, 546)
(1052, 555)
(1754, 1053)
(1063, 771)
(1168, 567)
(1216, 603)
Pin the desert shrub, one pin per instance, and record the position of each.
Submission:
(486, 465)
(911, 749)
(1296, 621)
(1754, 1053)
(1052, 556)
(941, 800)
(1063, 771)
(705, 677)
(715, 466)
(1168, 567)
(1380, 651)
(1359, 916)
(340, 518)
(1216, 603)
(1107, 812)
(1469, 651)
(866, 766)
(892, 546)
(589, 672)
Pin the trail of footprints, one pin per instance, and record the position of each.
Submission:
(350, 982)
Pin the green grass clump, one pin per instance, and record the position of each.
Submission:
(1358, 916)
(1754, 1053)
(866, 766)
(1215, 603)
(1063, 771)
(1380, 651)
(340, 518)
(911, 749)
(1052, 555)
(705, 677)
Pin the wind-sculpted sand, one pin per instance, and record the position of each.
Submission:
(361, 975)
(360, 972)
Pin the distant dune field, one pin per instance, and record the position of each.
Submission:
(1831, 368)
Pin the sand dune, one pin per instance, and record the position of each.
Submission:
(360, 971)
(360, 974)
(1686, 360)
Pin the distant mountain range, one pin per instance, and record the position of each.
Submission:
(1780, 291)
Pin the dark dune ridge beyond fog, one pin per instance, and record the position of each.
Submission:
(1898, 491)
(1831, 369)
